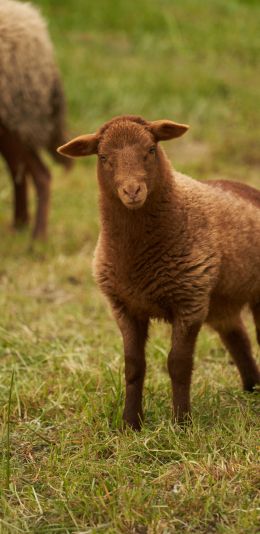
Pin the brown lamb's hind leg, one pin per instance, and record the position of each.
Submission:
(14, 154)
(256, 315)
(41, 178)
(237, 342)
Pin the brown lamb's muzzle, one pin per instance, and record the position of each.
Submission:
(132, 194)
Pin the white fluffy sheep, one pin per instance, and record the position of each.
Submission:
(31, 104)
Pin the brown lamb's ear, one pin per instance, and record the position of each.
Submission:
(81, 146)
(164, 130)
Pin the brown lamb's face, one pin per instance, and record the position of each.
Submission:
(127, 155)
(127, 162)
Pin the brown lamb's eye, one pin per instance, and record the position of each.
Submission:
(152, 150)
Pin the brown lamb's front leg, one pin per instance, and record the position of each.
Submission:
(180, 363)
(134, 333)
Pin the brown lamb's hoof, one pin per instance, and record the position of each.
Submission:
(182, 420)
(133, 424)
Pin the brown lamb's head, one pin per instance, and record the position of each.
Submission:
(128, 156)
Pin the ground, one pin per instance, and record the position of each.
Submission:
(65, 465)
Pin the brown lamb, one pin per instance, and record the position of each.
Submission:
(171, 248)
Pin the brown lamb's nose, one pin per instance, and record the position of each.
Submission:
(132, 191)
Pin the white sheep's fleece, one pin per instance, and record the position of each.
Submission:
(30, 87)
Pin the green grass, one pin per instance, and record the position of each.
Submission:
(70, 469)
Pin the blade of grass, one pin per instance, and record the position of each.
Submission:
(8, 465)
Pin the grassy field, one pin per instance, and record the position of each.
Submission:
(65, 466)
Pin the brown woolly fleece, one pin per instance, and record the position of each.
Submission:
(32, 106)
(171, 248)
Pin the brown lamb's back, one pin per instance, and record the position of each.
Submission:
(243, 190)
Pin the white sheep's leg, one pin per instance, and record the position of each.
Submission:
(14, 154)
(41, 178)
(134, 333)
(20, 213)
(237, 342)
(256, 315)
(180, 363)
(21, 216)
